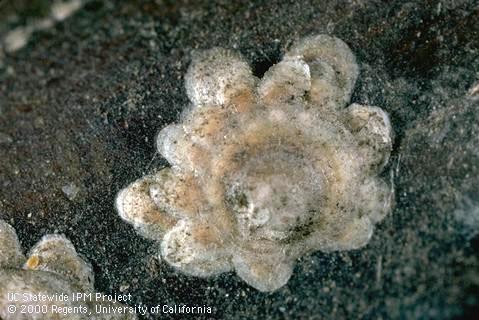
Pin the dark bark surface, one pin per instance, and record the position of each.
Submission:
(81, 103)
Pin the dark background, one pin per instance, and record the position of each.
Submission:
(82, 102)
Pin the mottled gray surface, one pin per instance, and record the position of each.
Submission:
(81, 104)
